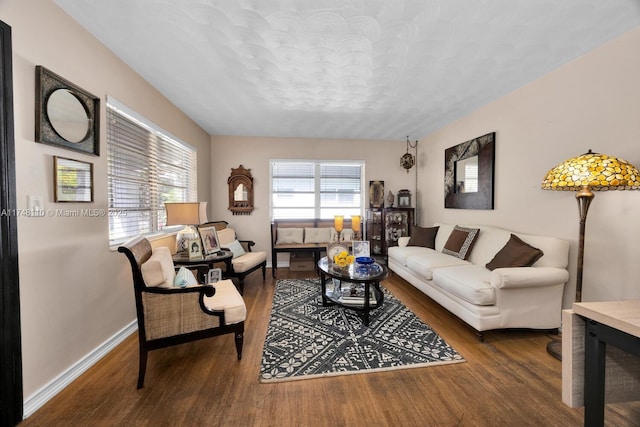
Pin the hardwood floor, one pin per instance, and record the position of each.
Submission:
(510, 380)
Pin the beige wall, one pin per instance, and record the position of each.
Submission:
(591, 103)
(382, 163)
(75, 292)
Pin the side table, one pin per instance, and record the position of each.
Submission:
(220, 256)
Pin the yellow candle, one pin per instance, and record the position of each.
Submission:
(338, 221)
(355, 223)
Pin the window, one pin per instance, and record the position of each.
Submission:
(316, 189)
(146, 168)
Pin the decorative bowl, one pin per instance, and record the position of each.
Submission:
(365, 260)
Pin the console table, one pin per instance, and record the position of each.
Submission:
(590, 327)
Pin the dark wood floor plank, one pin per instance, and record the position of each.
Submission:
(510, 380)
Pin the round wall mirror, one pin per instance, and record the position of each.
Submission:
(68, 116)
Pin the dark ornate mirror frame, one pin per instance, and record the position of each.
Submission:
(47, 82)
(240, 175)
(484, 148)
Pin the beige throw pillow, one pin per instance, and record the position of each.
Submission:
(289, 235)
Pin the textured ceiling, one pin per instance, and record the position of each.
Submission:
(356, 69)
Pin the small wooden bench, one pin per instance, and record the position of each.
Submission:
(300, 239)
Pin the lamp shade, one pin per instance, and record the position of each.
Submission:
(186, 213)
(597, 171)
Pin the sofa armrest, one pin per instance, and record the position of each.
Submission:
(525, 277)
(403, 241)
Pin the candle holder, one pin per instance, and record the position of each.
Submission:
(355, 226)
(338, 223)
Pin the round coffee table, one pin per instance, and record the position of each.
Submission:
(356, 287)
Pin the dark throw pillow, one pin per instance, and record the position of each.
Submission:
(425, 237)
(515, 253)
(461, 241)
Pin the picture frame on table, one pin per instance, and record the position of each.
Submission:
(210, 242)
(361, 248)
(215, 275)
(195, 249)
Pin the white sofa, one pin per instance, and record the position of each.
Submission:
(515, 297)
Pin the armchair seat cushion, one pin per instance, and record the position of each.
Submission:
(247, 261)
(227, 298)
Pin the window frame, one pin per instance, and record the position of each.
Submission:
(158, 141)
(318, 207)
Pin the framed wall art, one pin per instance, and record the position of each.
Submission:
(469, 173)
(73, 180)
(376, 194)
(66, 115)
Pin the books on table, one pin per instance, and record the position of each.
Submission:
(349, 293)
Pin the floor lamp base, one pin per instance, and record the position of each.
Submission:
(554, 348)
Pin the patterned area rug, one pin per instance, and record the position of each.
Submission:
(306, 340)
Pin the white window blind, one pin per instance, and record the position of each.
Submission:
(316, 189)
(146, 168)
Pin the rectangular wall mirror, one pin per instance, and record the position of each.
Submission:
(468, 174)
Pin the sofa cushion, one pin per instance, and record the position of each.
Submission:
(158, 270)
(423, 264)
(461, 241)
(425, 237)
(400, 253)
(471, 283)
(317, 235)
(515, 253)
(289, 235)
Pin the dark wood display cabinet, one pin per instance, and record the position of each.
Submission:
(385, 226)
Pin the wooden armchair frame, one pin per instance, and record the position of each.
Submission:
(138, 251)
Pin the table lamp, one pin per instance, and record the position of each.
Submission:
(585, 174)
(187, 214)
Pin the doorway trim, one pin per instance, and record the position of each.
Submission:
(11, 387)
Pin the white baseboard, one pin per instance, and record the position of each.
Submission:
(42, 396)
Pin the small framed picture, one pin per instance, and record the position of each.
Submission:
(195, 249)
(73, 180)
(361, 248)
(404, 199)
(210, 241)
(215, 275)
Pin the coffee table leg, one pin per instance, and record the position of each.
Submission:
(367, 305)
(323, 282)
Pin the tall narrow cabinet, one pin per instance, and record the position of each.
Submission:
(384, 227)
